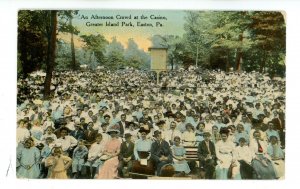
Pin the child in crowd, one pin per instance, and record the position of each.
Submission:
(28, 158)
(79, 154)
(58, 164)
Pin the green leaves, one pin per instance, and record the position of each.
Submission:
(230, 33)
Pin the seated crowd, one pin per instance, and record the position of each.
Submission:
(122, 124)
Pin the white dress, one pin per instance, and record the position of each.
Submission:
(225, 152)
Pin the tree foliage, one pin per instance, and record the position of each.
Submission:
(238, 39)
(135, 57)
(37, 31)
(32, 42)
(95, 44)
(66, 26)
(114, 54)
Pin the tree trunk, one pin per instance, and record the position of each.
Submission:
(50, 53)
(263, 63)
(239, 55)
(262, 66)
(227, 62)
(73, 63)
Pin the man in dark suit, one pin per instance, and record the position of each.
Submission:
(161, 153)
(123, 124)
(90, 135)
(207, 156)
(78, 132)
(126, 155)
(279, 125)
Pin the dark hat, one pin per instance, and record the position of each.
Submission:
(64, 128)
(206, 133)
(127, 135)
(156, 133)
(29, 139)
(224, 130)
(104, 124)
(273, 136)
(189, 125)
(242, 139)
(49, 137)
(170, 114)
(114, 128)
(145, 130)
(161, 122)
(104, 107)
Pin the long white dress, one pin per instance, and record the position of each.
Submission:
(225, 152)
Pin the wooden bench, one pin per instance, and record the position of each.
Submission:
(192, 154)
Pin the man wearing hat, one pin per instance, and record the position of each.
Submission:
(126, 154)
(207, 155)
(161, 153)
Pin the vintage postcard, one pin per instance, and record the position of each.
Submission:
(151, 94)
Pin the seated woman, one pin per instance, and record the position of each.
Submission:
(227, 165)
(95, 152)
(179, 162)
(109, 170)
(142, 163)
(199, 133)
(261, 164)
(188, 136)
(245, 156)
(277, 156)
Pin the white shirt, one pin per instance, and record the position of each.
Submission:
(22, 133)
(96, 150)
(244, 153)
(67, 142)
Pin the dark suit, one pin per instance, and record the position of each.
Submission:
(78, 135)
(279, 125)
(122, 127)
(207, 164)
(90, 137)
(125, 152)
(159, 149)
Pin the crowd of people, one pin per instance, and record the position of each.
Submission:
(117, 124)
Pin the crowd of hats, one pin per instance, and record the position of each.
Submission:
(191, 93)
